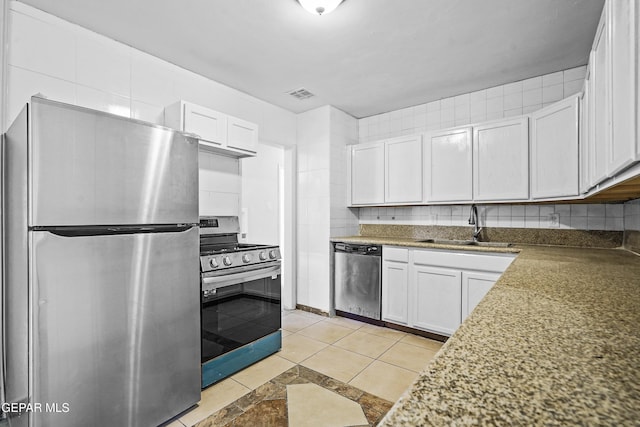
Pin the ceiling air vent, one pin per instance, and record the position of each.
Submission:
(301, 93)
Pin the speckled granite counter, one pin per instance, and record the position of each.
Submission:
(555, 342)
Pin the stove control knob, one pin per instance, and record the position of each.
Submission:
(246, 258)
(272, 254)
(213, 263)
(227, 261)
(263, 255)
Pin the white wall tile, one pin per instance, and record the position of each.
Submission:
(447, 115)
(147, 112)
(25, 84)
(533, 83)
(495, 92)
(103, 101)
(433, 106)
(495, 105)
(511, 88)
(552, 93)
(513, 100)
(42, 47)
(531, 108)
(513, 112)
(447, 103)
(532, 97)
(572, 87)
(552, 79)
(577, 73)
(104, 65)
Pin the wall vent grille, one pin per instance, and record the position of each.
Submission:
(301, 93)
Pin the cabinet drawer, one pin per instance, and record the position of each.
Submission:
(390, 253)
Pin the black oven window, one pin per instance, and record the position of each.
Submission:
(240, 314)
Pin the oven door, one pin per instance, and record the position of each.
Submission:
(239, 307)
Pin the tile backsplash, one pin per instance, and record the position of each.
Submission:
(512, 99)
(561, 216)
(632, 215)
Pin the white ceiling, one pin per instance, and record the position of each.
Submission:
(365, 58)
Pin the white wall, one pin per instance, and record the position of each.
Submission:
(261, 196)
(344, 132)
(632, 215)
(68, 63)
(72, 64)
(512, 99)
(314, 198)
(323, 137)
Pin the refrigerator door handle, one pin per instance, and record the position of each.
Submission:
(84, 231)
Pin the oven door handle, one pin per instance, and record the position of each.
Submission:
(215, 282)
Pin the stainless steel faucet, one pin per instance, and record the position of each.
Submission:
(473, 220)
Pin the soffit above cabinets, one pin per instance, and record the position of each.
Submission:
(365, 58)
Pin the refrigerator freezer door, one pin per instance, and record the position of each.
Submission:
(92, 168)
(116, 324)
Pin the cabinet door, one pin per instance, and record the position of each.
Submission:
(395, 282)
(448, 166)
(600, 90)
(435, 299)
(474, 287)
(554, 150)
(367, 174)
(242, 135)
(622, 147)
(583, 138)
(210, 125)
(403, 170)
(501, 160)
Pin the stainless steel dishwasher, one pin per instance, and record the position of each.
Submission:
(357, 280)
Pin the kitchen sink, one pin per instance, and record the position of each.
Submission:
(466, 243)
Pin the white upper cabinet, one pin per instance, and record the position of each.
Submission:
(367, 174)
(554, 150)
(600, 133)
(403, 170)
(448, 166)
(636, 21)
(209, 125)
(624, 111)
(242, 135)
(217, 132)
(584, 135)
(501, 160)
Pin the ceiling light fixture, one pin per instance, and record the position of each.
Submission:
(319, 7)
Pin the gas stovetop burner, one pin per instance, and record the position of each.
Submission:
(220, 250)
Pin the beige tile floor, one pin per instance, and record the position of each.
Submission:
(381, 361)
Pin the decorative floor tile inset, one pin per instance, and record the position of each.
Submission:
(272, 403)
(313, 406)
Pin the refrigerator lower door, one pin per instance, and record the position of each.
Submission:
(89, 167)
(115, 328)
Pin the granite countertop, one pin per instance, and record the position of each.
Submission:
(555, 342)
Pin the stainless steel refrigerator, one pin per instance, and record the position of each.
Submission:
(101, 282)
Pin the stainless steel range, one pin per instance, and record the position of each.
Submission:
(241, 299)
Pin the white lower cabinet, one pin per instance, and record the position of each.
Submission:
(395, 285)
(395, 294)
(436, 299)
(474, 287)
(435, 290)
